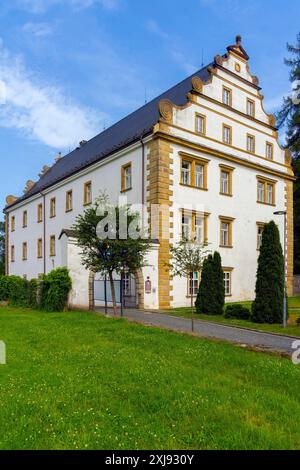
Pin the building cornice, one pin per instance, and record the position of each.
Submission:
(217, 153)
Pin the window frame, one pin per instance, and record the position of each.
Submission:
(193, 161)
(252, 137)
(69, 200)
(87, 200)
(40, 248)
(271, 146)
(40, 213)
(229, 221)
(229, 170)
(259, 225)
(229, 90)
(52, 208)
(191, 285)
(193, 215)
(228, 271)
(203, 117)
(24, 251)
(25, 219)
(226, 126)
(52, 246)
(12, 253)
(252, 102)
(13, 223)
(266, 182)
(124, 168)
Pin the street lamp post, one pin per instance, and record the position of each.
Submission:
(284, 263)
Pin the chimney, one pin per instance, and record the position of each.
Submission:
(82, 143)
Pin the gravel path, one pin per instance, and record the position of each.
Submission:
(206, 329)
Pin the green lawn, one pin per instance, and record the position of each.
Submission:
(292, 330)
(82, 381)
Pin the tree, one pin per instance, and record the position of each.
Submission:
(111, 241)
(289, 116)
(188, 257)
(268, 304)
(2, 248)
(211, 295)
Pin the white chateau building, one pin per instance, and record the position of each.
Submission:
(206, 144)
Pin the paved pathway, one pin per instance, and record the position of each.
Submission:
(206, 329)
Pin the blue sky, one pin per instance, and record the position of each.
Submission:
(72, 67)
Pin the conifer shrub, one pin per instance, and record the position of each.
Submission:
(268, 304)
(237, 311)
(211, 295)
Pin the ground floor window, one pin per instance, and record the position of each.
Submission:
(227, 282)
(193, 283)
(126, 284)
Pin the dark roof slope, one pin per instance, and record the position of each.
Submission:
(123, 133)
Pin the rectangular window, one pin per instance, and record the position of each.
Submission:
(194, 226)
(200, 124)
(24, 219)
(193, 171)
(126, 177)
(250, 107)
(269, 151)
(186, 227)
(40, 213)
(87, 198)
(250, 143)
(226, 180)
(186, 172)
(24, 251)
(12, 253)
(127, 284)
(52, 245)
(193, 284)
(52, 207)
(227, 96)
(227, 282)
(13, 224)
(199, 175)
(226, 231)
(260, 229)
(266, 191)
(69, 200)
(40, 248)
(227, 134)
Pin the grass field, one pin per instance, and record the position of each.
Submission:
(292, 329)
(82, 381)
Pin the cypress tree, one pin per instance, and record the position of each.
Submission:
(219, 284)
(211, 294)
(268, 304)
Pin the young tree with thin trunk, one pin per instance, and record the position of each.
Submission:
(188, 257)
(111, 240)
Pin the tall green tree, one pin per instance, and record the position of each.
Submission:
(2, 247)
(289, 116)
(110, 240)
(211, 294)
(268, 304)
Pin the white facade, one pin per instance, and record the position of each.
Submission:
(241, 206)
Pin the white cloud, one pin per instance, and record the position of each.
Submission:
(171, 44)
(40, 6)
(41, 111)
(37, 29)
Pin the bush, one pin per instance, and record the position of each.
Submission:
(55, 290)
(4, 291)
(237, 311)
(33, 292)
(18, 291)
(268, 304)
(211, 295)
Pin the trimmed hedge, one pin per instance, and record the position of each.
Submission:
(237, 311)
(49, 294)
